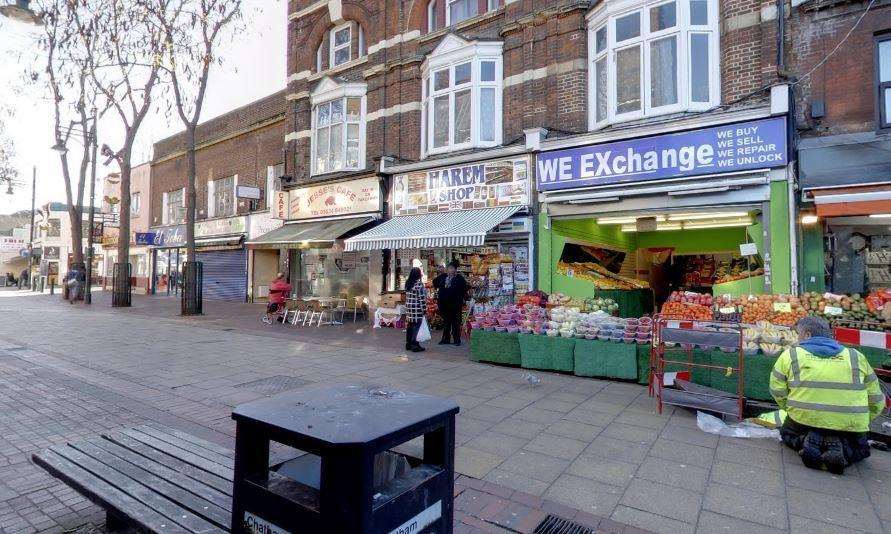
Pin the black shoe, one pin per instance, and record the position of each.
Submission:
(457, 343)
(811, 451)
(445, 342)
(834, 455)
(418, 349)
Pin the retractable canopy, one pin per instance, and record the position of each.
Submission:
(306, 233)
(467, 228)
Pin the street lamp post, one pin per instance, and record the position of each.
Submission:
(88, 295)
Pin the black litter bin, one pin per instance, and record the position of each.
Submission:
(346, 478)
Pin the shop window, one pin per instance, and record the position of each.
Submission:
(221, 197)
(659, 58)
(883, 51)
(135, 203)
(174, 207)
(54, 228)
(462, 92)
(338, 142)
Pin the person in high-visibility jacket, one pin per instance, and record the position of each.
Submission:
(829, 393)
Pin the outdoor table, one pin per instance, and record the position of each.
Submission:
(346, 482)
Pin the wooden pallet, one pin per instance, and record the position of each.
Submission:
(152, 477)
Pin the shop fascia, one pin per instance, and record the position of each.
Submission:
(710, 174)
(206, 231)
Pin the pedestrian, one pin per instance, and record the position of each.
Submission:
(450, 301)
(415, 308)
(829, 394)
(76, 281)
(279, 290)
(24, 279)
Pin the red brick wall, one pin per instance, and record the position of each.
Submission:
(846, 82)
(246, 154)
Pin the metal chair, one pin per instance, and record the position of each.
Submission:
(360, 306)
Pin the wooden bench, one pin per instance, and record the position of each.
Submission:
(152, 477)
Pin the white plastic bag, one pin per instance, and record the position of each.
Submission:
(713, 425)
(423, 331)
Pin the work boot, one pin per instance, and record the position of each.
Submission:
(811, 453)
(834, 455)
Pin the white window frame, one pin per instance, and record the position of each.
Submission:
(454, 51)
(607, 15)
(273, 172)
(431, 13)
(165, 215)
(212, 193)
(448, 11)
(135, 203)
(348, 45)
(327, 91)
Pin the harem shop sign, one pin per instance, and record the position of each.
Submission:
(732, 147)
(471, 186)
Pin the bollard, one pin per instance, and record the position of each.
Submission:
(52, 283)
(348, 477)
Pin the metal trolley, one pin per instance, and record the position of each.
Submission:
(673, 345)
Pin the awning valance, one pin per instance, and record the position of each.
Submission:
(308, 233)
(467, 228)
(852, 201)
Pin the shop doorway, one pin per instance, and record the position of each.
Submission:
(167, 271)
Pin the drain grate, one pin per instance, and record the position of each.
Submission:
(553, 524)
(274, 384)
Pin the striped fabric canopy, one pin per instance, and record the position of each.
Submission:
(467, 228)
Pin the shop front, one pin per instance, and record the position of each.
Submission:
(704, 211)
(478, 214)
(168, 254)
(308, 244)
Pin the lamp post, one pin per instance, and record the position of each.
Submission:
(22, 12)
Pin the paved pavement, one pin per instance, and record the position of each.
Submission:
(587, 448)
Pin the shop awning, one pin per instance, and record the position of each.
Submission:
(852, 201)
(467, 228)
(307, 233)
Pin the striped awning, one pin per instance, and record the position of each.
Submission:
(467, 228)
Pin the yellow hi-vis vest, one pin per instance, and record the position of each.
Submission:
(838, 392)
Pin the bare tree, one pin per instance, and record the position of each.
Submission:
(191, 42)
(126, 71)
(8, 172)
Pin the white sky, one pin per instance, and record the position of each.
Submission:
(254, 66)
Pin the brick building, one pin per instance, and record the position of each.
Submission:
(841, 56)
(240, 148)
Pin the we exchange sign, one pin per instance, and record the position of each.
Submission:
(728, 148)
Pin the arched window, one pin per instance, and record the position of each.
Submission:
(443, 13)
(342, 43)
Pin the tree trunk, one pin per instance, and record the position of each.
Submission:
(77, 234)
(124, 227)
(190, 192)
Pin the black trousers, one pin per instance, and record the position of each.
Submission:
(411, 334)
(855, 444)
(451, 323)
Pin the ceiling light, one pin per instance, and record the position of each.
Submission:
(661, 227)
(880, 216)
(708, 215)
(809, 219)
(715, 224)
(628, 220)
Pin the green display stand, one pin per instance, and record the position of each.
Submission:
(494, 347)
(643, 364)
(632, 302)
(546, 353)
(874, 355)
(605, 359)
(753, 285)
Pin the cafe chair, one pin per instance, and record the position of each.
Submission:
(360, 306)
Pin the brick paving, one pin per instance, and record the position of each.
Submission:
(587, 449)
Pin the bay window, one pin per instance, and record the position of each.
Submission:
(461, 100)
(658, 58)
(338, 139)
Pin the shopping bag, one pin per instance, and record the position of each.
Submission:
(423, 331)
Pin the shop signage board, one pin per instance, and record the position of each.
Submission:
(51, 253)
(728, 148)
(280, 204)
(262, 223)
(471, 186)
(145, 238)
(169, 236)
(11, 244)
(330, 200)
(225, 226)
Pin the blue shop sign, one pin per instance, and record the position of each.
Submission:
(169, 236)
(145, 238)
(727, 148)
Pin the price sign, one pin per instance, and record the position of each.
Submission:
(833, 310)
(782, 307)
(731, 309)
(748, 249)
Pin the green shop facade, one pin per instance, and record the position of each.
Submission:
(699, 204)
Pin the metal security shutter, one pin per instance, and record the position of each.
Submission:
(225, 274)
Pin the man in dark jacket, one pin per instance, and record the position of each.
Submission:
(452, 288)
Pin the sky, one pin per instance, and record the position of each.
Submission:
(253, 66)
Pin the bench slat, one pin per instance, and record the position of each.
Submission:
(105, 496)
(176, 452)
(185, 499)
(219, 483)
(197, 450)
(219, 449)
(200, 489)
(136, 490)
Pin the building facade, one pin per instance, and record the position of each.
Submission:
(239, 158)
(843, 105)
(52, 242)
(140, 256)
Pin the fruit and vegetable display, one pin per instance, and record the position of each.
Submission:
(599, 276)
(596, 304)
(688, 306)
(536, 298)
(768, 338)
(852, 311)
(736, 269)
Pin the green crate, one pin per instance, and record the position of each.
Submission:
(546, 353)
(605, 359)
